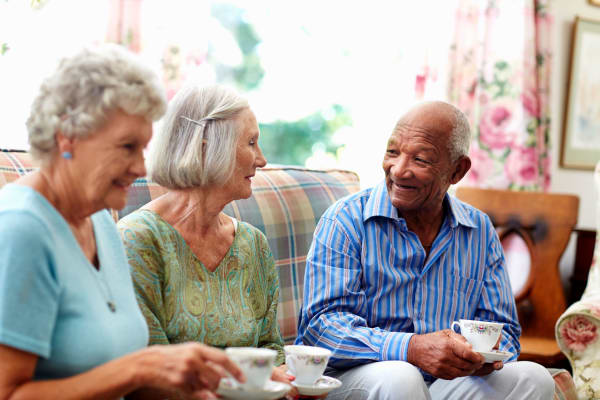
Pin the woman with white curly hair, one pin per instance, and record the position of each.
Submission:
(70, 326)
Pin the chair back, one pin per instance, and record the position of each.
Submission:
(544, 222)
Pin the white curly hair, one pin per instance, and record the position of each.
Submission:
(85, 88)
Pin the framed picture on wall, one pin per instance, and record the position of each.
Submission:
(595, 2)
(581, 131)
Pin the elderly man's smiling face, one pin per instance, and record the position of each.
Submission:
(417, 163)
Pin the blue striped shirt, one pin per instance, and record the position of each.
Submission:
(369, 285)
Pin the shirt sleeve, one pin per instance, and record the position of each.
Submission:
(497, 300)
(270, 335)
(29, 288)
(334, 309)
(147, 273)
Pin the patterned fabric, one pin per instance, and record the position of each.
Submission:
(500, 77)
(369, 284)
(233, 306)
(14, 164)
(578, 329)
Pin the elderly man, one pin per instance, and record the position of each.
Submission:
(392, 266)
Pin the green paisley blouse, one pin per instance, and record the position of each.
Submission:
(235, 305)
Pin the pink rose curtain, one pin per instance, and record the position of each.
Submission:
(499, 76)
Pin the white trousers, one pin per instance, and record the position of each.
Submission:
(389, 380)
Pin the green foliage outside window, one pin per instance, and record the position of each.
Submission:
(283, 142)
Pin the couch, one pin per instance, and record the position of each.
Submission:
(578, 328)
(286, 205)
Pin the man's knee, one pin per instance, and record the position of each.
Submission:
(398, 380)
(382, 380)
(535, 377)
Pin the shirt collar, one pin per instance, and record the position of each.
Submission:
(380, 205)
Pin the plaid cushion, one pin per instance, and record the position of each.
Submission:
(14, 164)
(286, 205)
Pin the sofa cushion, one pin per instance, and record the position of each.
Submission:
(14, 164)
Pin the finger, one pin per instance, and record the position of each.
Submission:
(293, 393)
(497, 345)
(450, 372)
(210, 374)
(465, 352)
(485, 370)
(453, 335)
(219, 357)
(218, 369)
(205, 395)
(280, 375)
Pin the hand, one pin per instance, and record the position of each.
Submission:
(193, 369)
(488, 368)
(444, 354)
(280, 374)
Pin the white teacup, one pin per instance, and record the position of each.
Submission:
(482, 335)
(255, 363)
(306, 363)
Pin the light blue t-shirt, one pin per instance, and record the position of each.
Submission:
(53, 301)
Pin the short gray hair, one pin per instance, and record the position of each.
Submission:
(196, 145)
(460, 137)
(78, 97)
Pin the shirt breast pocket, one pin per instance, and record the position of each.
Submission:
(464, 295)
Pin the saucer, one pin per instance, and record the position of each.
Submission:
(230, 389)
(324, 384)
(495, 355)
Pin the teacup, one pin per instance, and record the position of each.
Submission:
(306, 363)
(255, 363)
(482, 335)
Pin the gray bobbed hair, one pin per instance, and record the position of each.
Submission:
(460, 138)
(85, 88)
(196, 145)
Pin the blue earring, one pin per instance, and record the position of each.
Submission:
(67, 155)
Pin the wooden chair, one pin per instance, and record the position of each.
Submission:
(544, 221)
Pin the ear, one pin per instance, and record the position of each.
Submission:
(461, 167)
(63, 143)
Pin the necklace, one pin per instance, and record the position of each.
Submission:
(105, 290)
(100, 281)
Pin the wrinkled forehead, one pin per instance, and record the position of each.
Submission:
(433, 122)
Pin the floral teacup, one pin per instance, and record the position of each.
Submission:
(482, 335)
(306, 363)
(255, 363)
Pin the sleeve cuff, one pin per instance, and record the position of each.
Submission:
(395, 346)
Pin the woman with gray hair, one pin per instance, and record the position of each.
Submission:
(70, 326)
(199, 274)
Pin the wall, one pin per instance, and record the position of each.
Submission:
(569, 180)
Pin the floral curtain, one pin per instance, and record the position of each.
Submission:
(179, 47)
(499, 76)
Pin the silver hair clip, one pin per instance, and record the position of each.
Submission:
(201, 123)
(193, 121)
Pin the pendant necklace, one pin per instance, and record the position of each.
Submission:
(103, 286)
(105, 290)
